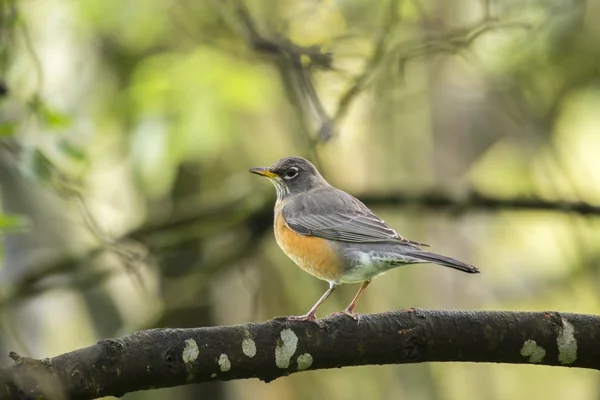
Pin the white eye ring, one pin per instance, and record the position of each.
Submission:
(291, 173)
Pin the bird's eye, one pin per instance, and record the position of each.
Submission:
(291, 173)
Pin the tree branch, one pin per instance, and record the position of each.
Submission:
(259, 222)
(193, 223)
(296, 76)
(171, 357)
(477, 201)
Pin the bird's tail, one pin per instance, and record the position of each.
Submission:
(426, 256)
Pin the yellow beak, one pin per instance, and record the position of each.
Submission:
(263, 172)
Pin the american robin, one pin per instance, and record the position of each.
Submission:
(334, 236)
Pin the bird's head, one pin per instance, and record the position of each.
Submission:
(291, 175)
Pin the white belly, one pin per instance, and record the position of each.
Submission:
(366, 266)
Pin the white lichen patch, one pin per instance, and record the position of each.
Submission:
(190, 352)
(286, 349)
(535, 353)
(224, 363)
(567, 344)
(304, 361)
(249, 347)
(213, 375)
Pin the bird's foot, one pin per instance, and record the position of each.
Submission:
(305, 317)
(308, 317)
(349, 313)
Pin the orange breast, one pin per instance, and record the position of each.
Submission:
(314, 255)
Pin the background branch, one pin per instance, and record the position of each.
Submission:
(295, 75)
(171, 357)
(474, 201)
(259, 222)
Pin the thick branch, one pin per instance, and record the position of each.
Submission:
(170, 357)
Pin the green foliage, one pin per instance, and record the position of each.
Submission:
(12, 222)
(58, 173)
(53, 119)
(7, 130)
(193, 106)
(38, 165)
(72, 151)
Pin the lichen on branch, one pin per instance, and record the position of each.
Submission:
(170, 357)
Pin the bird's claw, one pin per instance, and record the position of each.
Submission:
(349, 313)
(310, 318)
(305, 317)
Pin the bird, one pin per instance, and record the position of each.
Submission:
(334, 236)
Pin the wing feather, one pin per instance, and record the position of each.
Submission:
(336, 215)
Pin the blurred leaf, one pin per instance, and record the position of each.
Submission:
(55, 119)
(37, 166)
(51, 117)
(7, 130)
(41, 166)
(12, 222)
(72, 151)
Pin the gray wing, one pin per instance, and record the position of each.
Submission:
(339, 217)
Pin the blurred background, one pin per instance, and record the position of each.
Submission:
(127, 129)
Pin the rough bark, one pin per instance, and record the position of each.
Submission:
(170, 357)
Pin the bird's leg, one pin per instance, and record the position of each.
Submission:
(311, 315)
(350, 309)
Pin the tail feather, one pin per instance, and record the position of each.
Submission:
(444, 261)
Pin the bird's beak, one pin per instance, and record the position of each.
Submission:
(263, 172)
